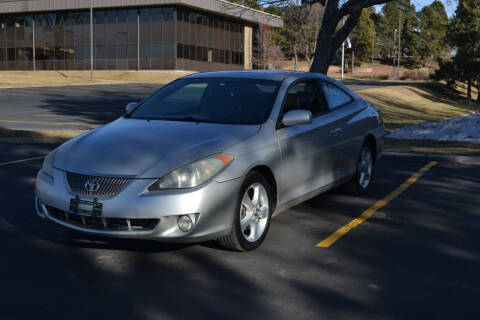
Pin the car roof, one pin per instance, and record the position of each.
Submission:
(275, 75)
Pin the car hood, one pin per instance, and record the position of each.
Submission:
(146, 149)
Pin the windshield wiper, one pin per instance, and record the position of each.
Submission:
(189, 119)
(185, 119)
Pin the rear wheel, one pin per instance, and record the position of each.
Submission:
(252, 215)
(363, 176)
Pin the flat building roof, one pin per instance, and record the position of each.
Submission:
(219, 7)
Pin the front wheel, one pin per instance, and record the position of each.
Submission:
(363, 176)
(252, 215)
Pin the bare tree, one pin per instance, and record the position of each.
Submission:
(269, 54)
(301, 29)
(308, 32)
(339, 19)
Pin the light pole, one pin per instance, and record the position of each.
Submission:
(343, 56)
(34, 52)
(394, 51)
(91, 40)
(373, 44)
(343, 51)
(399, 36)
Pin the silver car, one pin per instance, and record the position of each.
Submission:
(213, 156)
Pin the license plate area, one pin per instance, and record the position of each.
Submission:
(85, 207)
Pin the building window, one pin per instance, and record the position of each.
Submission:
(62, 39)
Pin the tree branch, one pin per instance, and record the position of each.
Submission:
(347, 28)
(347, 7)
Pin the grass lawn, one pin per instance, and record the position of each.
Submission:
(40, 134)
(11, 79)
(408, 105)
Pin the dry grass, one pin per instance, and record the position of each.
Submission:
(301, 64)
(407, 105)
(359, 76)
(10, 79)
(40, 134)
(461, 89)
(417, 74)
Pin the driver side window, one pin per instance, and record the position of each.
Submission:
(304, 96)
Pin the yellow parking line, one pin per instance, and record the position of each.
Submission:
(20, 161)
(327, 242)
(54, 123)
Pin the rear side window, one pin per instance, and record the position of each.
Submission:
(335, 96)
(304, 96)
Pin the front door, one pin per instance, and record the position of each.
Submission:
(308, 150)
(344, 110)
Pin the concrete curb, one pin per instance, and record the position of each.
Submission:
(79, 85)
(466, 160)
(20, 140)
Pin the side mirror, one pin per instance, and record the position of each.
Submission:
(294, 117)
(130, 107)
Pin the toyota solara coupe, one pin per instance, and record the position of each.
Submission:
(213, 156)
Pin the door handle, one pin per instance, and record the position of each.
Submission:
(336, 131)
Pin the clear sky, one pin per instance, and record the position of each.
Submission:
(450, 5)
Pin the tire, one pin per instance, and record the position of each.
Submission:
(255, 213)
(362, 180)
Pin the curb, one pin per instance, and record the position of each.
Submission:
(466, 160)
(20, 140)
(80, 85)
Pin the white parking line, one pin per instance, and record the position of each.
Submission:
(20, 161)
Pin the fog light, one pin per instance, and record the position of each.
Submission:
(39, 208)
(185, 223)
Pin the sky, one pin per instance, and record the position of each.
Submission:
(450, 6)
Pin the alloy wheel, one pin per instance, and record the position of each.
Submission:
(254, 212)
(365, 166)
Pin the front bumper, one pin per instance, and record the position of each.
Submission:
(211, 207)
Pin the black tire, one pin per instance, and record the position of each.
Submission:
(236, 240)
(354, 187)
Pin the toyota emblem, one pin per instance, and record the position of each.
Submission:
(92, 185)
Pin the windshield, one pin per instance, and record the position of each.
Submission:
(234, 101)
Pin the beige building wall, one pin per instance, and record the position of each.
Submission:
(248, 46)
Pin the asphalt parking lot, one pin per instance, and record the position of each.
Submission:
(417, 257)
(80, 107)
(72, 107)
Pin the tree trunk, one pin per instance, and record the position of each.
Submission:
(329, 39)
(324, 52)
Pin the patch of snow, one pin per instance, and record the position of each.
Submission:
(466, 129)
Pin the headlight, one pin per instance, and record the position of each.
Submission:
(47, 166)
(193, 174)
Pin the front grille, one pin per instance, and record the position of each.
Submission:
(107, 186)
(104, 224)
